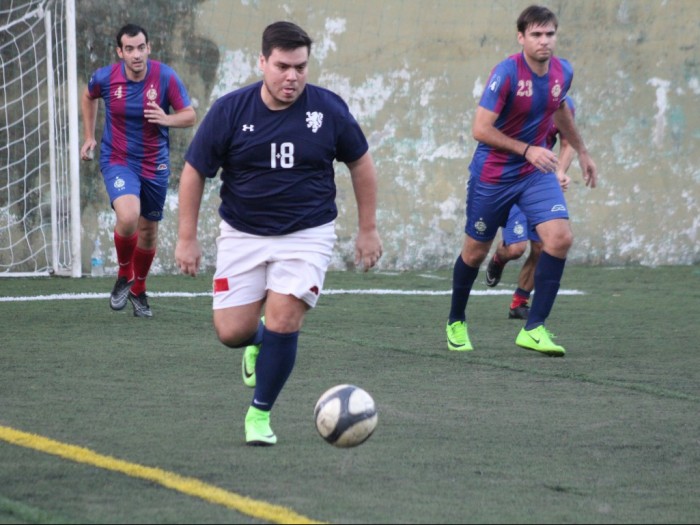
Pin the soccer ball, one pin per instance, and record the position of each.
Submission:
(345, 416)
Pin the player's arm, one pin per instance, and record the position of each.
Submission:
(368, 246)
(88, 107)
(484, 130)
(564, 121)
(566, 157)
(188, 252)
(184, 118)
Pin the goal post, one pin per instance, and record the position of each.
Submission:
(40, 227)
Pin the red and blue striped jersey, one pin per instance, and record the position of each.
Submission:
(128, 139)
(525, 104)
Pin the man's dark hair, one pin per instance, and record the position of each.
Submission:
(130, 30)
(286, 36)
(536, 15)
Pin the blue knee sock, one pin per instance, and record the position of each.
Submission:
(273, 367)
(463, 277)
(548, 274)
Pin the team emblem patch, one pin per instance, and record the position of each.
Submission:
(314, 120)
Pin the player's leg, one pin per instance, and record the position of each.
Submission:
(519, 307)
(123, 187)
(544, 205)
(284, 316)
(512, 247)
(152, 199)
(487, 209)
(295, 282)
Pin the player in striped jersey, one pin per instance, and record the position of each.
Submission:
(139, 95)
(516, 234)
(513, 164)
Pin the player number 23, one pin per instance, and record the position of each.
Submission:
(284, 156)
(524, 88)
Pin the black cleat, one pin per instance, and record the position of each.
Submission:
(117, 300)
(519, 312)
(493, 272)
(140, 304)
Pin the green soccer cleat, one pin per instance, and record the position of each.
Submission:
(540, 340)
(250, 357)
(457, 337)
(257, 428)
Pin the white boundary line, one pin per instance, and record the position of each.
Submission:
(371, 291)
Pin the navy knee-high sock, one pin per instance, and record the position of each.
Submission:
(273, 367)
(463, 277)
(548, 274)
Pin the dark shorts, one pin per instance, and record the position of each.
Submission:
(538, 196)
(121, 180)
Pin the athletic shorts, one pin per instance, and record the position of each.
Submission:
(539, 197)
(247, 266)
(120, 180)
(517, 229)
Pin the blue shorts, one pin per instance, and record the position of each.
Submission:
(517, 229)
(120, 180)
(538, 196)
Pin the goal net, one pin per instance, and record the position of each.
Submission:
(39, 181)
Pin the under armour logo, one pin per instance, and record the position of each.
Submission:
(248, 127)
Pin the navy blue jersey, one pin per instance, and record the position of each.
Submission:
(276, 166)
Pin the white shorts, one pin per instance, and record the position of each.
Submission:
(247, 266)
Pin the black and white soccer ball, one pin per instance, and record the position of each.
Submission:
(345, 416)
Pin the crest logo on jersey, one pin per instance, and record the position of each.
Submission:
(248, 127)
(119, 183)
(314, 120)
(495, 82)
(518, 230)
(556, 90)
(118, 92)
(162, 167)
(151, 94)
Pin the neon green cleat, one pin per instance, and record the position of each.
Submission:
(257, 428)
(540, 340)
(457, 337)
(250, 357)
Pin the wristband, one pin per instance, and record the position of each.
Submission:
(526, 148)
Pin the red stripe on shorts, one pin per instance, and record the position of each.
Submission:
(221, 285)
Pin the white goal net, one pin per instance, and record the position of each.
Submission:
(39, 182)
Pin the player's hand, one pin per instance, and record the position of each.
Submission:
(564, 181)
(188, 256)
(588, 169)
(368, 249)
(543, 159)
(87, 152)
(154, 114)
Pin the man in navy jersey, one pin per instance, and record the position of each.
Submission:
(135, 153)
(516, 234)
(274, 143)
(513, 164)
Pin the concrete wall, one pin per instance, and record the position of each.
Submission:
(412, 73)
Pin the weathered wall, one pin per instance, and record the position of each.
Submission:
(412, 73)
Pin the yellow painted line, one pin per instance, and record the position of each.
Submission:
(191, 486)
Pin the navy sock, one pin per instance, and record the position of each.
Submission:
(273, 367)
(548, 274)
(463, 277)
